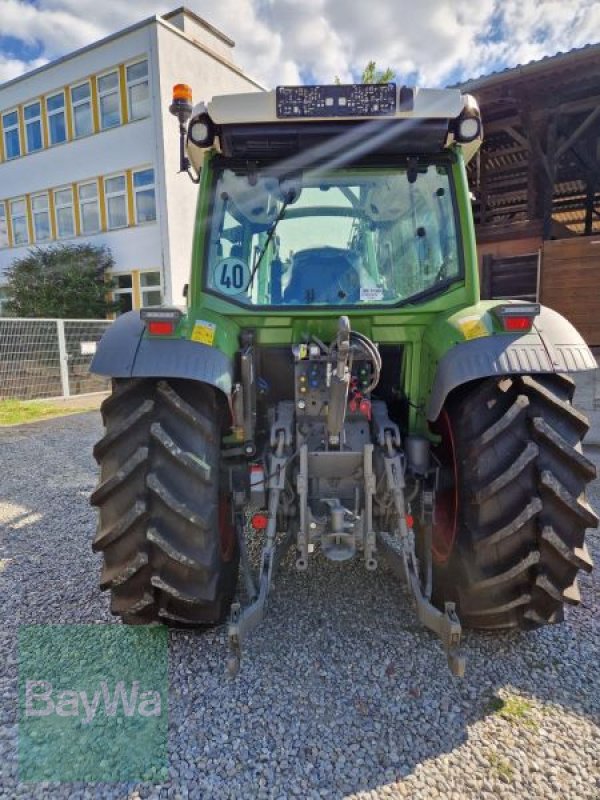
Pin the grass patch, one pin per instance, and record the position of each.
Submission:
(501, 767)
(515, 709)
(15, 412)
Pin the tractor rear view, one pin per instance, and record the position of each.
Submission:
(335, 383)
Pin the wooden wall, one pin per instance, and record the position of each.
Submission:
(509, 248)
(570, 282)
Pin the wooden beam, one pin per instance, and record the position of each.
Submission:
(500, 125)
(486, 284)
(589, 206)
(549, 187)
(576, 106)
(483, 185)
(536, 145)
(578, 132)
(586, 159)
(518, 137)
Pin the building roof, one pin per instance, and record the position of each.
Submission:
(200, 21)
(519, 106)
(532, 68)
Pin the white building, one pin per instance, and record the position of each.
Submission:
(89, 151)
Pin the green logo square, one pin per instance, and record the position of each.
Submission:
(93, 703)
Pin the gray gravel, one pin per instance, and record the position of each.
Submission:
(341, 694)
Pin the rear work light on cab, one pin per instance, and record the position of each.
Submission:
(160, 321)
(517, 318)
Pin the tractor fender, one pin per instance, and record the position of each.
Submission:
(124, 352)
(553, 345)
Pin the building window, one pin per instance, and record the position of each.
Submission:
(123, 292)
(41, 217)
(63, 204)
(151, 289)
(88, 208)
(82, 109)
(12, 143)
(56, 118)
(3, 226)
(18, 220)
(138, 93)
(109, 101)
(145, 202)
(115, 190)
(33, 127)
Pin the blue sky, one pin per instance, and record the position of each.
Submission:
(429, 42)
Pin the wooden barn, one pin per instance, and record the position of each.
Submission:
(537, 184)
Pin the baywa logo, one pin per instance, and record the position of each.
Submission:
(41, 700)
(93, 703)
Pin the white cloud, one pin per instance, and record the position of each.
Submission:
(278, 41)
(12, 67)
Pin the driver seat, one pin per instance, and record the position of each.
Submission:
(315, 276)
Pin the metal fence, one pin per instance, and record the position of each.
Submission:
(43, 358)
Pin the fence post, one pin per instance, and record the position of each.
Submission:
(62, 356)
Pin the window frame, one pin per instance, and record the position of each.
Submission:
(59, 207)
(136, 82)
(110, 195)
(101, 95)
(117, 292)
(81, 202)
(77, 104)
(21, 199)
(32, 121)
(35, 214)
(143, 189)
(4, 218)
(158, 288)
(9, 129)
(55, 113)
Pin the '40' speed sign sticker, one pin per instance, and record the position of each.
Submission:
(231, 275)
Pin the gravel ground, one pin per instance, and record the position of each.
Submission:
(341, 694)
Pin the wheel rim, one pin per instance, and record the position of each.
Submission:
(226, 529)
(446, 501)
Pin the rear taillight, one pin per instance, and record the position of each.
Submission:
(161, 321)
(518, 323)
(517, 318)
(160, 328)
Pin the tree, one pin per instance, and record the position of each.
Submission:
(371, 74)
(65, 281)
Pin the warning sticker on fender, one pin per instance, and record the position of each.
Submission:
(204, 332)
(473, 327)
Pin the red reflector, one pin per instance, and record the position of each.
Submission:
(517, 323)
(410, 520)
(259, 522)
(161, 328)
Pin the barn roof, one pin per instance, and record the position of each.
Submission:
(541, 125)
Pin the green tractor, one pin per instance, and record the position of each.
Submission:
(335, 382)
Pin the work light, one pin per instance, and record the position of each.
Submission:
(201, 131)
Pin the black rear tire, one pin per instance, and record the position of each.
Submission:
(170, 553)
(521, 511)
